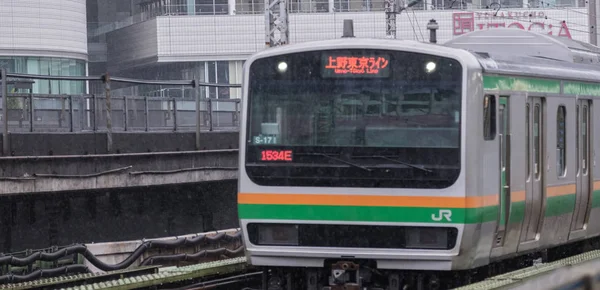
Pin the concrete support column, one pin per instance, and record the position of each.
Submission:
(231, 4)
(593, 8)
(191, 7)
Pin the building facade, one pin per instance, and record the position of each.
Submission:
(209, 40)
(45, 37)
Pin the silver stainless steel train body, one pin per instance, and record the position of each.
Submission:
(524, 137)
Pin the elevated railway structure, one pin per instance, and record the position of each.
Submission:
(523, 221)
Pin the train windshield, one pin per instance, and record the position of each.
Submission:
(354, 118)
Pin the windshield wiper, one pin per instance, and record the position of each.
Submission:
(336, 159)
(396, 161)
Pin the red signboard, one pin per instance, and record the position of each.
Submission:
(276, 155)
(464, 22)
(349, 65)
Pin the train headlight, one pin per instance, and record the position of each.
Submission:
(427, 238)
(282, 67)
(430, 67)
(278, 234)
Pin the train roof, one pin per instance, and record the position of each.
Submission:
(521, 52)
(359, 43)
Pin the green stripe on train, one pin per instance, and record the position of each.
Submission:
(507, 83)
(596, 199)
(578, 88)
(504, 83)
(556, 206)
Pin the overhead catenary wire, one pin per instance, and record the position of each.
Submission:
(418, 26)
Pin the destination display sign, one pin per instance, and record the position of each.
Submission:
(347, 65)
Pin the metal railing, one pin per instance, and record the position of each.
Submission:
(107, 113)
(88, 113)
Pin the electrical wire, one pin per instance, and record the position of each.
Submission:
(138, 252)
(192, 257)
(43, 273)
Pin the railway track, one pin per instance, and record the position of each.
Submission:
(249, 281)
(207, 275)
(575, 272)
(566, 268)
(569, 273)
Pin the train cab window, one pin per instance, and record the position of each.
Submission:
(561, 152)
(489, 117)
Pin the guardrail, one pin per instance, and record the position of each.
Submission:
(107, 113)
(88, 113)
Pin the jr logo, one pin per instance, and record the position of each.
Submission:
(444, 213)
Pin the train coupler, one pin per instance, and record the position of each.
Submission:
(345, 275)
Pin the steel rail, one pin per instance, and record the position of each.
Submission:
(545, 273)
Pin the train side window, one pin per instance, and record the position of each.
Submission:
(577, 130)
(585, 132)
(561, 143)
(489, 117)
(527, 138)
(536, 141)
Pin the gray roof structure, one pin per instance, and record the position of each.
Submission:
(521, 52)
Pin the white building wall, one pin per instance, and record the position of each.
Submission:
(51, 28)
(206, 39)
(234, 37)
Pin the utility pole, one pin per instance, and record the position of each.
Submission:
(5, 144)
(390, 18)
(592, 19)
(276, 23)
(393, 7)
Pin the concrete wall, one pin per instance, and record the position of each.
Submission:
(41, 144)
(45, 174)
(94, 216)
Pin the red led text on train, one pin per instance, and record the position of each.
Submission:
(276, 155)
(356, 65)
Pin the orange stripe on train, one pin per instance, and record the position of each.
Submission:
(387, 200)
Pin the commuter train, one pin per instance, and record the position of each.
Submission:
(362, 160)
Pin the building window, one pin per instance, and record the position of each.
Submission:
(223, 78)
(561, 142)
(249, 7)
(48, 66)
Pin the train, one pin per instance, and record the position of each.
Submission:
(365, 161)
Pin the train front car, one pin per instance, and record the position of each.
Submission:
(352, 160)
